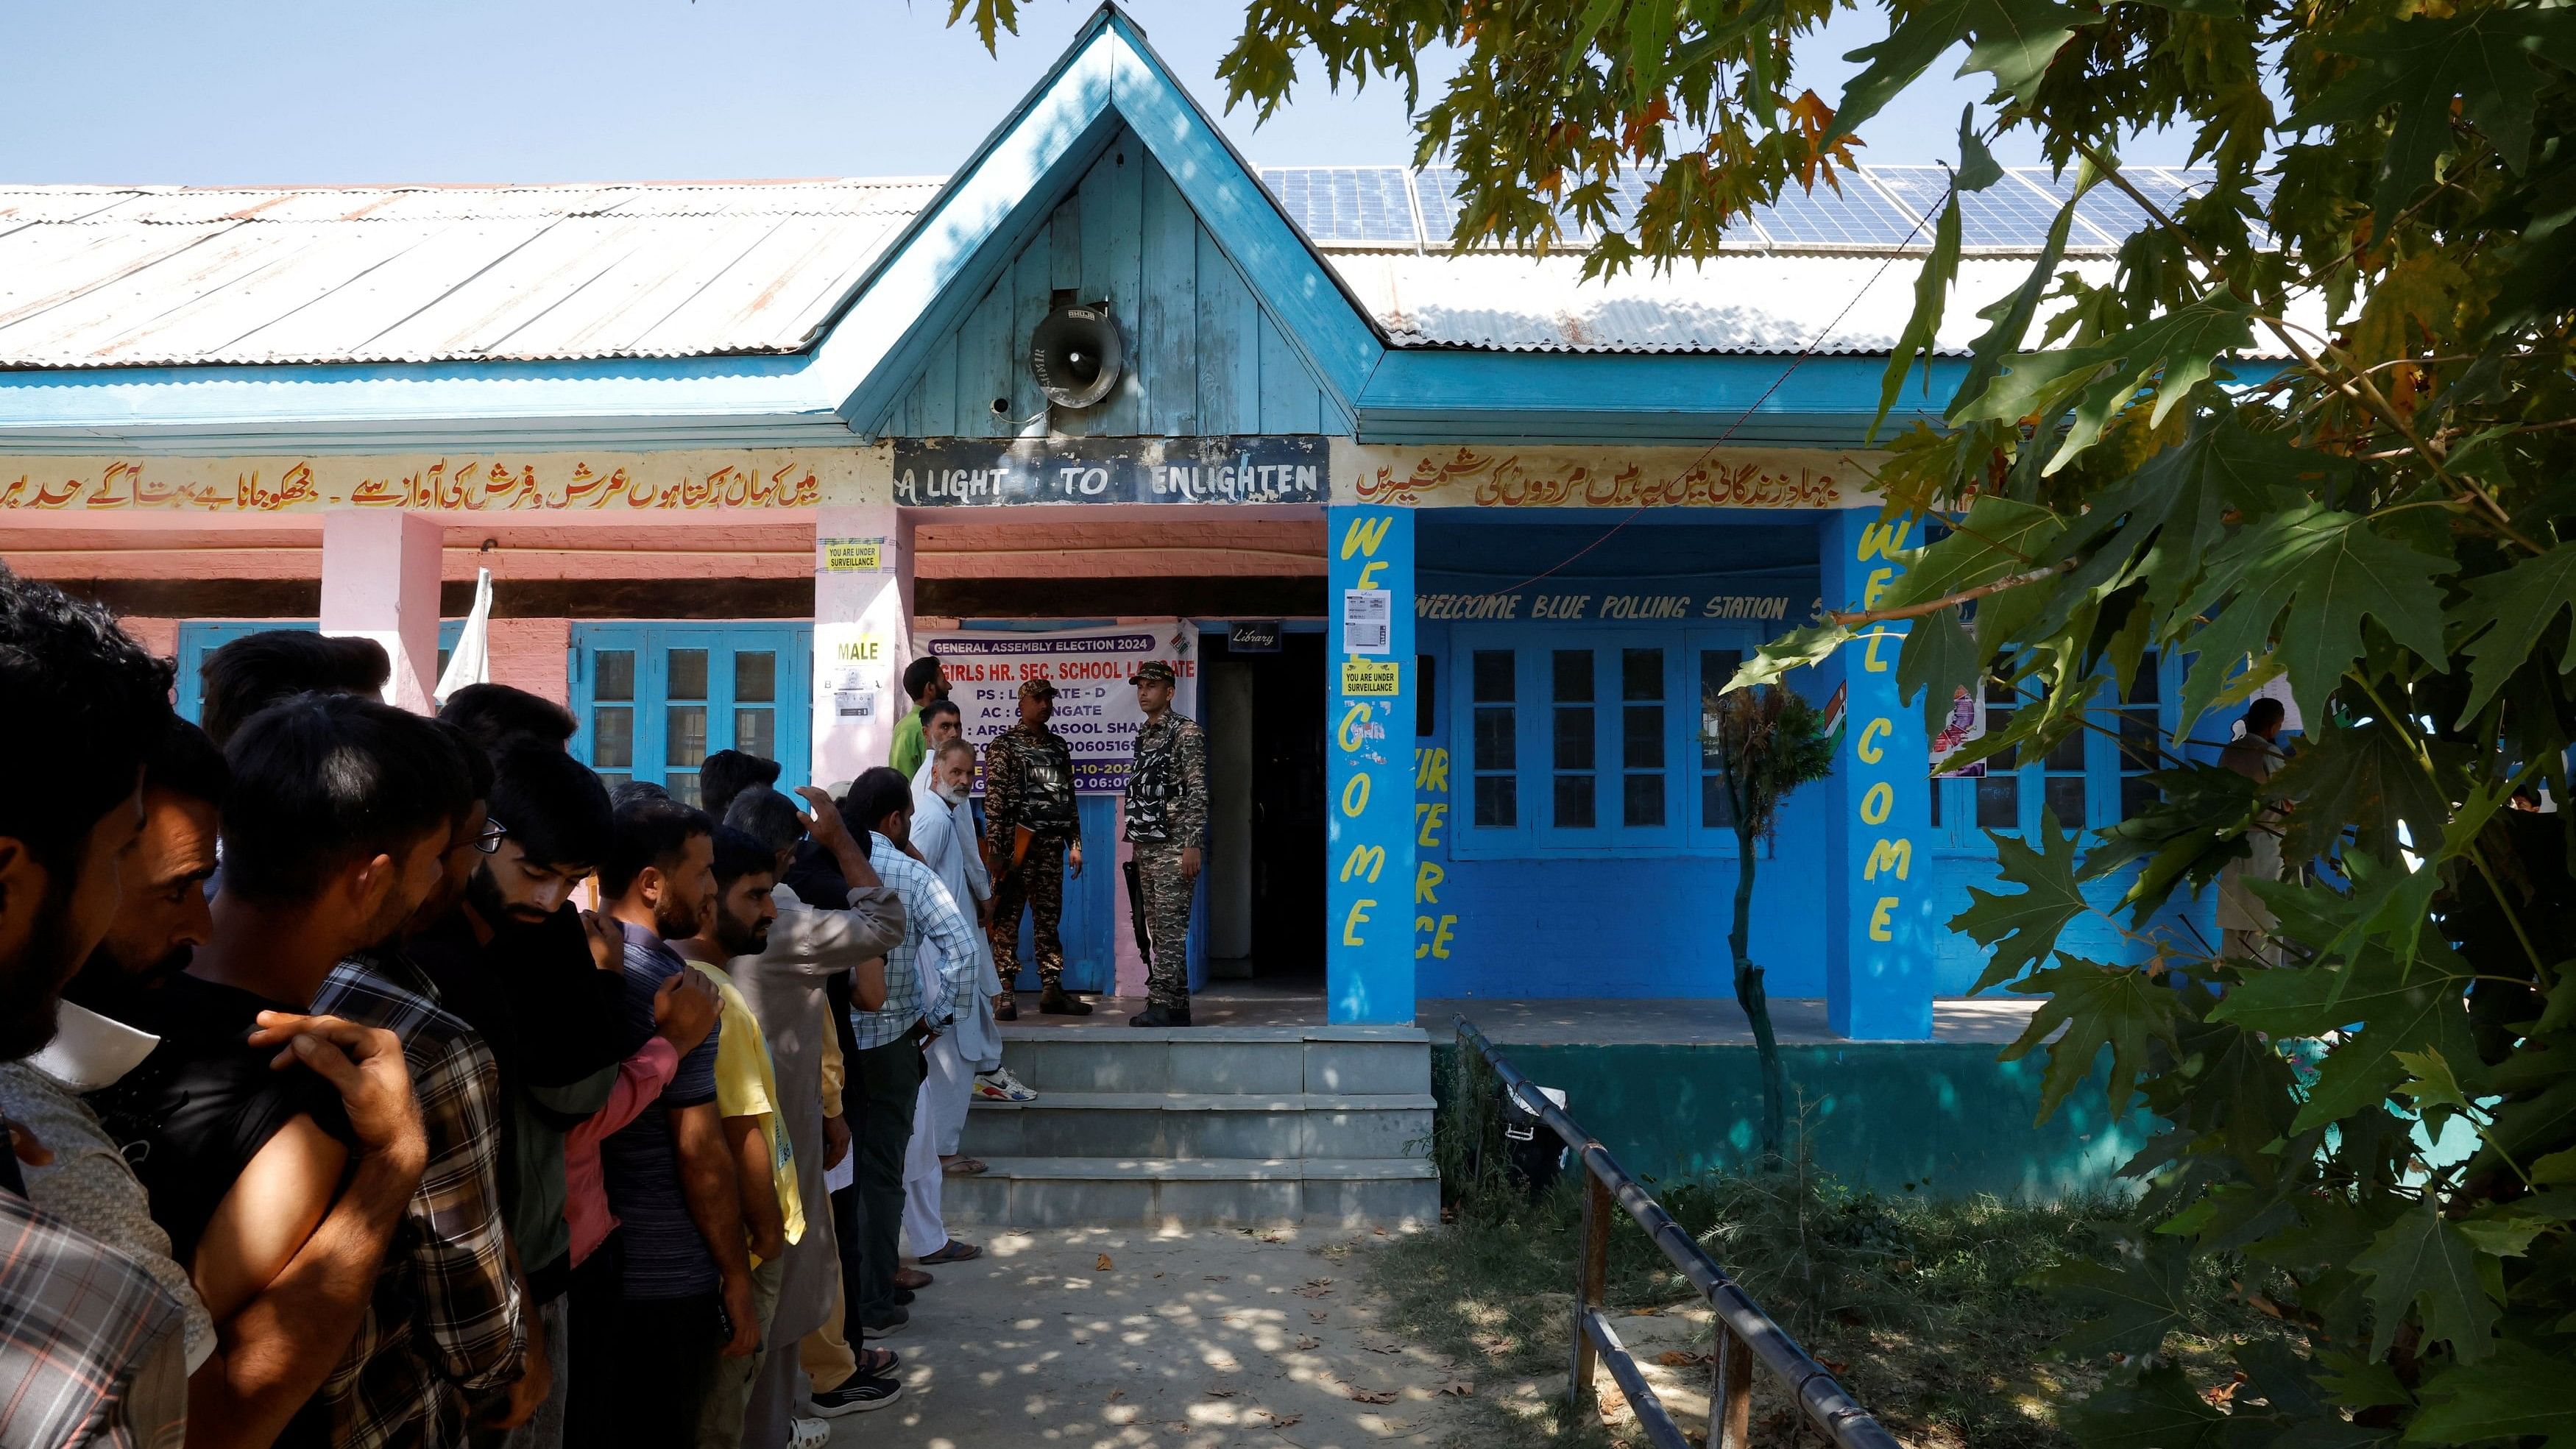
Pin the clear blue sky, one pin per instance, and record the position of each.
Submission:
(270, 91)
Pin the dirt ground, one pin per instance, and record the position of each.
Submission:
(1209, 1338)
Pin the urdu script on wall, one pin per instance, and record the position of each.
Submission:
(556, 482)
(1609, 477)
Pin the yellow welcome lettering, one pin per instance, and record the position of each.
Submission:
(1878, 919)
(1368, 859)
(1877, 540)
(1358, 917)
(1359, 788)
(1876, 729)
(1365, 534)
(1875, 805)
(1896, 855)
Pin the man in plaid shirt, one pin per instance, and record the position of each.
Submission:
(885, 1079)
(91, 1349)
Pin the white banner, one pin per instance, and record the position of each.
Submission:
(1095, 705)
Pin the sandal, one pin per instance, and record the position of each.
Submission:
(963, 1167)
(958, 1250)
(876, 1363)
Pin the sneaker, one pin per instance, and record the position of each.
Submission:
(858, 1396)
(998, 1085)
(808, 1434)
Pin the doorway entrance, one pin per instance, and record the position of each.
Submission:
(1265, 723)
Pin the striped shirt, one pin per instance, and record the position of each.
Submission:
(448, 1322)
(929, 916)
(91, 1351)
(665, 1256)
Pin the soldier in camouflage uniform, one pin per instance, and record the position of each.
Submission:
(1166, 819)
(1031, 832)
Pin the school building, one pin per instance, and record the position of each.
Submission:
(1450, 548)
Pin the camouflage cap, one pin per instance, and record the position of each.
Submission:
(1037, 689)
(1156, 671)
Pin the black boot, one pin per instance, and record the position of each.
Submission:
(1055, 1001)
(1162, 1016)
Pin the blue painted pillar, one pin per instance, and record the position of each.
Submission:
(1879, 932)
(1368, 834)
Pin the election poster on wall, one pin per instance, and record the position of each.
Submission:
(1095, 704)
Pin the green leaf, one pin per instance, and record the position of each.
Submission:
(2555, 1168)
(1999, 537)
(1931, 295)
(2421, 1262)
(1796, 649)
(2326, 570)
(2311, 1000)
(1978, 168)
(2430, 1082)
(2504, 614)
(2099, 1006)
(2158, 1409)
(2363, 778)
(2195, 827)
(2364, 1069)
(2134, 1299)
(2518, 1392)
(2487, 60)
(2178, 350)
(1939, 659)
(2012, 40)
(2021, 929)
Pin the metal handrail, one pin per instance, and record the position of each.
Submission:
(1745, 1334)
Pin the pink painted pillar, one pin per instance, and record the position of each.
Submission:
(380, 582)
(862, 635)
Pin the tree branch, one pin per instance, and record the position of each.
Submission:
(1934, 606)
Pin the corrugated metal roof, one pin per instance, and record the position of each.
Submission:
(126, 276)
(105, 276)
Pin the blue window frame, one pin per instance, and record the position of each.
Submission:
(2092, 779)
(1581, 741)
(655, 699)
(201, 637)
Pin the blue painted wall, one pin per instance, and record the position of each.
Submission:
(1204, 357)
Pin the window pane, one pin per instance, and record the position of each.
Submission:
(1716, 810)
(1716, 666)
(1939, 789)
(612, 738)
(611, 779)
(755, 678)
(1497, 801)
(1496, 746)
(1574, 802)
(2068, 753)
(1494, 676)
(2065, 800)
(1574, 676)
(2138, 740)
(1573, 737)
(1998, 803)
(687, 744)
(688, 675)
(2137, 796)
(683, 785)
(613, 674)
(754, 732)
(1644, 803)
(1641, 745)
(1641, 674)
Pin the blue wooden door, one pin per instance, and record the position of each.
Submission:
(655, 699)
(201, 637)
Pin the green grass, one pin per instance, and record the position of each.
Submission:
(1918, 1307)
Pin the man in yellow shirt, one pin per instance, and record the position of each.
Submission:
(773, 1213)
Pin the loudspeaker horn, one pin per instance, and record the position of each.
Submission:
(1076, 355)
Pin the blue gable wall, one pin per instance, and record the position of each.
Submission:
(1204, 356)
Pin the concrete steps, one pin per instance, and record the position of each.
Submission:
(1224, 1125)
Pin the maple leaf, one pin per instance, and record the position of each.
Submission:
(2100, 1006)
(2012, 40)
(1923, 324)
(2140, 1294)
(2155, 1410)
(2421, 292)
(2486, 60)
(2421, 1262)
(2022, 929)
(1309, 1341)
(1456, 1388)
(2318, 572)
(1102, 1266)
(2366, 779)
(2504, 614)
(2516, 1394)
(1373, 1396)
(2178, 349)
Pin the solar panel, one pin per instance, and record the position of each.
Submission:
(1346, 203)
(1434, 187)
(1856, 216)
(2107, 214)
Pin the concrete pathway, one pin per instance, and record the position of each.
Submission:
(1209, 1338)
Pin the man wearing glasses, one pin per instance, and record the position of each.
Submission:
(541, 983)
